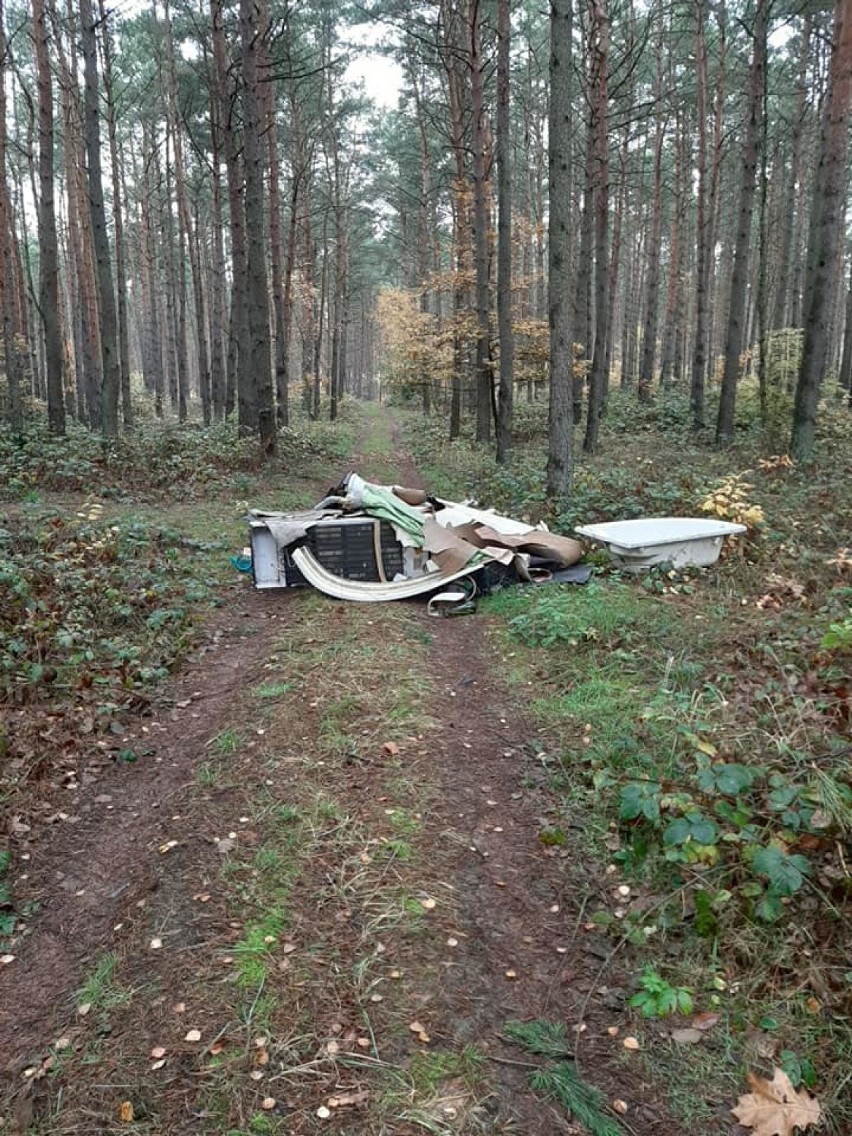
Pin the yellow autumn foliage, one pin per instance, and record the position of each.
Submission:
(729, 501)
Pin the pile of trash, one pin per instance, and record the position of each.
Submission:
(373, 543)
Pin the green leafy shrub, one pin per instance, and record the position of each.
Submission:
(656, 998)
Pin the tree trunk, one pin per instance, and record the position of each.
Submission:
(825, 238)
(239, 341)
(483, 372)
(110, 378)
(703, 223)
(734, 339)
(652, 287)
(504, 240)
(123, 338)
(560, 417)
(47, 239)
(788, 226)
(599, 41)
(255, 373)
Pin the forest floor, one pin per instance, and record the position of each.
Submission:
(319, 890)
(312, 894)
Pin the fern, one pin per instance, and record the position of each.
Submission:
(560, 1079)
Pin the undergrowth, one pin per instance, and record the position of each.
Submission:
(702, 720)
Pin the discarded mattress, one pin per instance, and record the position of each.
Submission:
(681, 541)
(373, 543)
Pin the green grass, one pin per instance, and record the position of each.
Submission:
(228, 742)
(100, 990)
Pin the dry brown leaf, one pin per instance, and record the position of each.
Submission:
(687, 1036)
(268, 1103)
(355, 1097)
(84, 1008)
(125, 1112)
(775, 1108)
(416, 1027)
(157, 1052)
(193, 1035)
(391, 749)
(705, 1020)
(630, 1043)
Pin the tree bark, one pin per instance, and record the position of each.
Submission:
(735, 337)
(599, 41)
(504, 240)
(123, 338)
(110, 378)
(483, 371)
(255, 374)
(560, 457)
(825, 241)
(47, 238)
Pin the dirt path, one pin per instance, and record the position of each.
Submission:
(415, 891)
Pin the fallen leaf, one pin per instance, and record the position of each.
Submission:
(612, 1031)
(155, 944)
(630, 1043)
(705, 1020)
(179, 1007)
(216, 1048)
(84, 1008)
(774, 1108)
(619, 1106)
(6, 959)
(687, 1036)
(415, 1027)
(511, 974)
(157, 1052)
(158, 1064)
(391, 749)
(125, 1112)
(428, 904)
(323, 1113)
(268, 1103)
(256, 1074)
(193, 1035)
(355, 1097)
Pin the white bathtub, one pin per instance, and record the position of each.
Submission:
(683, 541)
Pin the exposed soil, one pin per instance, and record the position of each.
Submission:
(106, 880)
